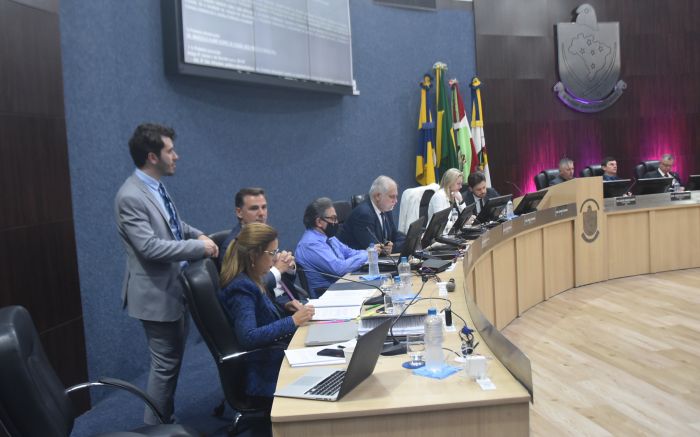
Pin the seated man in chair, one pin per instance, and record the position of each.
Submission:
(372, 220)
(251, 207)
(566, 171)
(665, 170)
(319, 252)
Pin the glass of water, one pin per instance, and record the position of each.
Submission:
(387, 286)
(415, 347)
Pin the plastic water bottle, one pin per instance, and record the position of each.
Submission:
(509, 210)
(406, 277)
(434, 358)
(373, 260)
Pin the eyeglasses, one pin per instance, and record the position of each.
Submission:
(332, 219)
(272, 252)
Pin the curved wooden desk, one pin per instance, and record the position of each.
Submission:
(394, 402)
(576, 238)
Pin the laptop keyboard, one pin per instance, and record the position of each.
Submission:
(329, 386)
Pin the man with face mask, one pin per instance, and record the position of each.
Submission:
(320, 251)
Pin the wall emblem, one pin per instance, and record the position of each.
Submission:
(589, 62)
(590, 209)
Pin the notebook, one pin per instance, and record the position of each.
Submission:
(329, 384)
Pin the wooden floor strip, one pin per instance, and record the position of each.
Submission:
(620, 357)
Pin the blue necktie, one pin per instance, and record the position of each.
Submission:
(174, 222)
(385, 228)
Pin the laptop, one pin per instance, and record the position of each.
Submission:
(328, 384)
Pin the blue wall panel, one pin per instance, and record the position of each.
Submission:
(296, 144)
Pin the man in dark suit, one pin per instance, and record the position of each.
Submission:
(477, 192)
(609, 165)
(665, 170)
(566, 171)
(158, 245)
(250, 207)
(372, 220)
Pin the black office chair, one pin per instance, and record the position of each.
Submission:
(343, 208)
(424, 203)
(357, 199)
(34, 401)
(201, 283)
(303, 281)
(592, 170)
(543, 178)
(645, 167)
(219, 238)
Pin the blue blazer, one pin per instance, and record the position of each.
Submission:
(256, 323)
(354, 231)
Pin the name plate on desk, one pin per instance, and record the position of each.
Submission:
(507, 228)
(530, 219)
(561, 211)
(626, 201)
(682, 195)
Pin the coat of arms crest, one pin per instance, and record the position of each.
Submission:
(589, 62)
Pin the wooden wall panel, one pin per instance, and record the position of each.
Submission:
(528, 129)
(505, 287)
(529, 252)
(483, 287)
(38, 264)
(628, 244)
(558, 246)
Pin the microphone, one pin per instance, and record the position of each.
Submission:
(371, 301)
(377, 240)
(396, 347)
(520, 192)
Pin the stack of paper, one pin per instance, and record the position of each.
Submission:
(340, 304)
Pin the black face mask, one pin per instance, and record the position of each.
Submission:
(331, 229)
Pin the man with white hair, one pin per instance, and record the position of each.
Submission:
(665, 170)
(371, 222)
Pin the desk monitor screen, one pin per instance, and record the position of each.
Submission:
(412, 237)
(694, 182)
(435, 227)
(653, 185)
(616, 188)
(462, 219)
(529, 202)
(493, 208)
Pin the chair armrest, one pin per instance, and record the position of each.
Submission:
(123, 385)
(236, 355)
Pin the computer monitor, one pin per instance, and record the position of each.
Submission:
(529, 202)
(493, 208)
(616, 188)
(467, 212)
(435, 227)
(412, 237)
(694, 182)
(653, 185)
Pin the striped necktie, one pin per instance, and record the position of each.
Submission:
(173, 221)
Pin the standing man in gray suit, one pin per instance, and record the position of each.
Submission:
(158, 245)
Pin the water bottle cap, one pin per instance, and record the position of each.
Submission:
(403, 259)
(397, 278)
(432, 312)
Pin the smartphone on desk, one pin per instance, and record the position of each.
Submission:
(338, 353)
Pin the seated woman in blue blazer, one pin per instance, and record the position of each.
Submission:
(256, 320)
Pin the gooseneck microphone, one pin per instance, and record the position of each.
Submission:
(389, 256)
(371, 301)
(520, 192)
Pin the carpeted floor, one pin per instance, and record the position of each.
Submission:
(198, 392)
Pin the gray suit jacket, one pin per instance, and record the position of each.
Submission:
(152, 290)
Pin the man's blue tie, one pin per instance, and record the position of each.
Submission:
(385, 229)
(174, 221)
